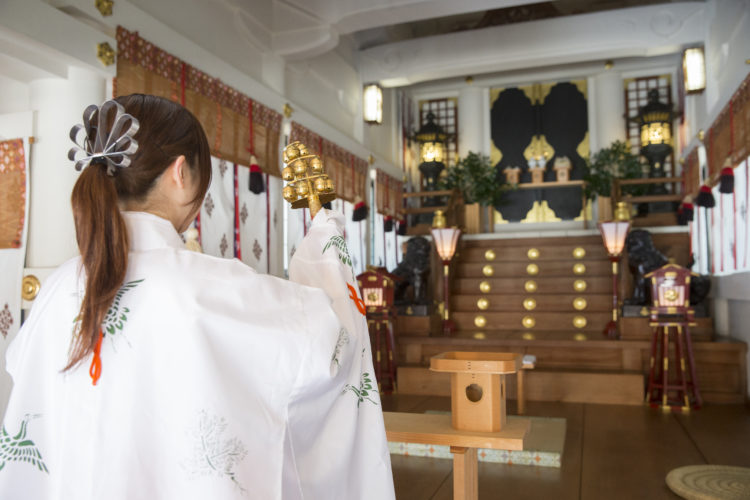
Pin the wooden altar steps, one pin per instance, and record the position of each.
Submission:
(598, 371)
(575, 361)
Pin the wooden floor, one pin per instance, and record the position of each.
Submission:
(612, 452)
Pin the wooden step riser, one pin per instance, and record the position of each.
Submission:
(600, 388)
(544, 285)
(515, 302)
(534, 242)
(552, 251)
(533, 270)
(721, 367)
(595, 321)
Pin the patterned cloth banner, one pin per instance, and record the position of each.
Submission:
(14, 184)
(253, 223)
(217, 212)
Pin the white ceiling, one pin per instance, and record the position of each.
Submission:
(297, 29)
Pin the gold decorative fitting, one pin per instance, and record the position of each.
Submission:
(579, 321)
(580, 337)
(438, 221)
(287, 110)
(579, 268)
(105, 7)
(489, 255)
(469, 80)
(371, 159)
(622, 211)
(480, 336)
(579, 285)
(579, 253)
(485, 287)
(528, 322)
(528, 336)
(533, 253)
(579, 303)
(530, 286)
(532, 269)
(480, 321)
(529, 304)
(488, 270)
(105, 53)
(30, 287)
(483, 303)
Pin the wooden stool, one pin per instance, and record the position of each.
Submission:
(671, 313)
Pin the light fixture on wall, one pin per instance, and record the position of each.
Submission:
(373, 104)
(694, 70)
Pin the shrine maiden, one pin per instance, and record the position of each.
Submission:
(149, 371)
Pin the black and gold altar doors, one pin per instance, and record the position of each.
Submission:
(540, 128)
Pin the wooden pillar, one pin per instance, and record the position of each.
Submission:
(465, 473)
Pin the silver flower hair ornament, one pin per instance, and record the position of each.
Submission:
(94, 145)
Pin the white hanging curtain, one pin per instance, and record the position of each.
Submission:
(740, 193)
(217, 212)
(253, 221)
(276, 225)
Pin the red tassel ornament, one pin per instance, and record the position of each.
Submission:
(726, 181)
(360, 211)
(705, 198)
(256, 177)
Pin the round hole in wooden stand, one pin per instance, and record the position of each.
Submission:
(473, 393)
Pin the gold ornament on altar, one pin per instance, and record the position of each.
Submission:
(579, 252)
(309, 187)
(533, 253)
(489, 255)
(579, 268)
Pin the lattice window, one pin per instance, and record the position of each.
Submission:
(636, 96)
(446, 115)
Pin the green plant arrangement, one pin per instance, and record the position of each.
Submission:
(608, 164)
(476, 178)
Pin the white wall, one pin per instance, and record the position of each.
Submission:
(14, 96)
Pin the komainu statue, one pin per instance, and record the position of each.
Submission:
(414, 271)
(643, 257)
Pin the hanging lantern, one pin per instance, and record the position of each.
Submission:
(694, 70)
(431, 138)
(373, 104)
(655, 122)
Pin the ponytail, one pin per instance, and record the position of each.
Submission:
(103, 242)
(122, 168)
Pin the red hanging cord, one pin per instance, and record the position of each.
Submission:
(237, 245)
(251, 138)
(95, 371)
(268, 226)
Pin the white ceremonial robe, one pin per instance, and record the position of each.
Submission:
(216, 383)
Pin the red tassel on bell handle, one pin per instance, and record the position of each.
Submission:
(401, 231)
(388, 224)
(726, 181)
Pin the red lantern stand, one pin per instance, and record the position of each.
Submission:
(671, 312)
(377, 290)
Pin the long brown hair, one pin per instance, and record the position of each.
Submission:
(167, 130)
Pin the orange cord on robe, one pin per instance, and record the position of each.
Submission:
(96, 363)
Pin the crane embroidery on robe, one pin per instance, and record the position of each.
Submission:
(212, 453)
(117, 316)
(365, 389)
(20, 449)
